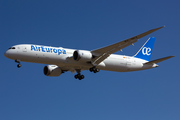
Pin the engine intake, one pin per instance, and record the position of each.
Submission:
(82, 55)
(52, 70)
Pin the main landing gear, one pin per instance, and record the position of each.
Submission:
(94, 69)
(79, 76)
(18, 61)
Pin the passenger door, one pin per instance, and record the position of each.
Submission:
(24, 49)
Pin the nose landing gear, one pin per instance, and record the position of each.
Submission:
(18, 61)
(19, 65)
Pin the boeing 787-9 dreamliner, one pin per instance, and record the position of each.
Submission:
(62, 59)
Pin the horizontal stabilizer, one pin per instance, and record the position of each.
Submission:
(159, 60)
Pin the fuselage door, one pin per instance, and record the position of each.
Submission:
(24, 48)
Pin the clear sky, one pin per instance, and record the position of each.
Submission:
(27, 94)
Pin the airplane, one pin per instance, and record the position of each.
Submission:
(61, 59)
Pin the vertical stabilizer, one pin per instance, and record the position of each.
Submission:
(146, 50)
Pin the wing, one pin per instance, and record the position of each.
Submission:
(102, 53)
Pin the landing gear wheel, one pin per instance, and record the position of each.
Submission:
(94, 69)
(79, 76)
(91, 69)
(19, 65)
(82, 76)
(76, 76)
(97, 70)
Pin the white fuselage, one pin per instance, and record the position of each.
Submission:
(62, 57)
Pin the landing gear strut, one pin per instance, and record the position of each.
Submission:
(18, 61)
(79, 76)
(94, 69)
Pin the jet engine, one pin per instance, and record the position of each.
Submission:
(52, 70)
(82, 55)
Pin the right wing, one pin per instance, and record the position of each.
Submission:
(102, 53)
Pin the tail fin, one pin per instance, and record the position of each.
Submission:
(146, 50)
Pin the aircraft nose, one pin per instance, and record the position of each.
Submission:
(6, 54)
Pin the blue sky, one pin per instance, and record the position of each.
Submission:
(27, 94)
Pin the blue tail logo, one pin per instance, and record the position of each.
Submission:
(146, 50)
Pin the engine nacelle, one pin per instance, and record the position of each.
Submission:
(82, 55)
(52, 70)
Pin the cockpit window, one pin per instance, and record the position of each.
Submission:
(12, 48)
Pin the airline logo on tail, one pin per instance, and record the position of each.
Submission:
(146, 51)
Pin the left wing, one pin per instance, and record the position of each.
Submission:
(102, 53)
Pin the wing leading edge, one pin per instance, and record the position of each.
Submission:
(102, 53)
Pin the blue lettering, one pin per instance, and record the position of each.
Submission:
(48, 50)
(39, 48)
(64, 51)
(55, 50)
(42, 49)
(36, 48)
(59, 51)
(51, 50)
(32, 47)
